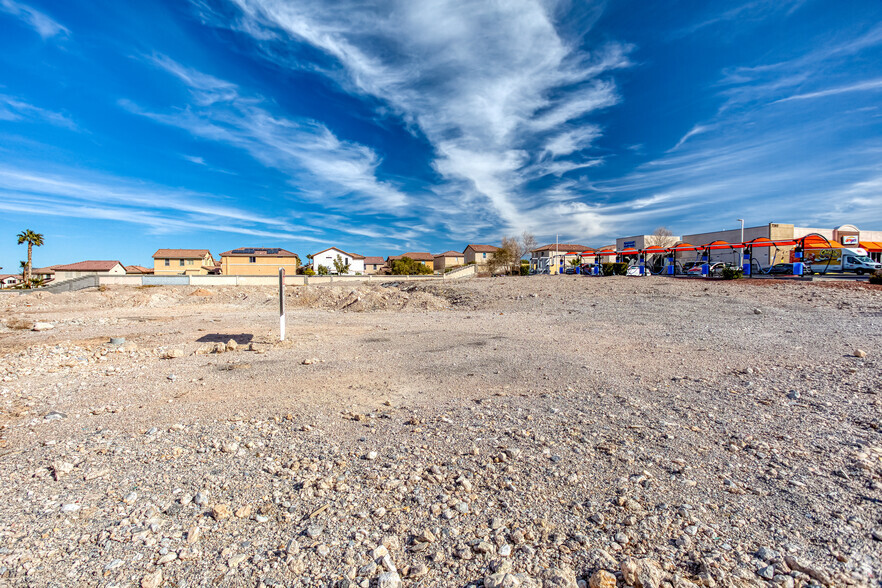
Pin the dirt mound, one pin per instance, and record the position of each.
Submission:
(201, 292)
(366, 298)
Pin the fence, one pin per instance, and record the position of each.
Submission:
(298, 280)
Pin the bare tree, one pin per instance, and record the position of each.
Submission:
(661, 237)
(527, 244)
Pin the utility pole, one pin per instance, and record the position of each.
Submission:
(741, 249)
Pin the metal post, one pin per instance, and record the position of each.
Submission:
(281, 304)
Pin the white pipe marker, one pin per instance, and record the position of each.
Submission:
(281, 304)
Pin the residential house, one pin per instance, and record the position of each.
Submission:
(479, 254)
(374, 265)
(138, 270)
(555, 257)
(88, 268)
(189, 262)
(47, 274)
(423, 257)
(326, 258)
(258, 261)
(9, 280)
(448, 259)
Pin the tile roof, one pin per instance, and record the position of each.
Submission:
(352, 255)
(259, 252)
(182, 253)
(481, 248)
(374, 260)
(416, 256)
(562, 247)
(101, 265)
(138, 269)
(49, 270)
(450, 254)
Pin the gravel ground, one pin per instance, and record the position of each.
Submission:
(544, 431)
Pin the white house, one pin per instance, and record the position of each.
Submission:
(329, 255)
(9, 280)
(88, 268)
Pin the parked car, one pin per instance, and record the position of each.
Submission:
(787, 269)
(714, 269)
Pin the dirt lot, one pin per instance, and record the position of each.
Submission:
(542, 431)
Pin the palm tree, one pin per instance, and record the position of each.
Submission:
(23, 266)
(31, 238)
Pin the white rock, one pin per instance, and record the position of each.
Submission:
(389, 580)
(43, 326)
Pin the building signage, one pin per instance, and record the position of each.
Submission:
(849, 240)
(629, 244)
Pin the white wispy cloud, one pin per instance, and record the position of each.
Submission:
(335, 172)
(857, 87)
(492, 86)
(16, 109)
(696, 130)
(93, 195)
(42, 24)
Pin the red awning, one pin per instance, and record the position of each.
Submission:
(684, 247)
(721, 245)
(763, 242)
(653, 249)
(815, 242)
(605, 252)
(628, 252)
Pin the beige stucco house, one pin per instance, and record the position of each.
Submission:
(176, 262)
(258, 261)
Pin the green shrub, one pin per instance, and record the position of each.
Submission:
(614, 269)
(308, 271)
(876, 278)
(732, 273)
(323, 270)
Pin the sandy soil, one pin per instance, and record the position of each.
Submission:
(497, 432)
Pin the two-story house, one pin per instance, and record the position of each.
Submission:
(258, 261)
(176, 262)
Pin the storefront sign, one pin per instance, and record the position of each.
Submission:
(629, 244)
(849, 240)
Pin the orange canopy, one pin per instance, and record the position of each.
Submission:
(629, 251)
(816, 242)
(873, 246)
(721, 245)
(763, 242)
(685, 247)
(653, 249)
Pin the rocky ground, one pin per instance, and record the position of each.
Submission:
(542, 431)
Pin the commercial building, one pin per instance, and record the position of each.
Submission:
(841, 236)
(177, 262)
(258, 261)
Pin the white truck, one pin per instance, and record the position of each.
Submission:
(841, 259)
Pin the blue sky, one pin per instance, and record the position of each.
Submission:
(395, 126)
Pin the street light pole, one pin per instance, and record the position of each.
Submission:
(741, 252)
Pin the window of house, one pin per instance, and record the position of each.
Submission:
(189, 262)
(181, 262)
(484, 255)
(167, 262)
(252, 260)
